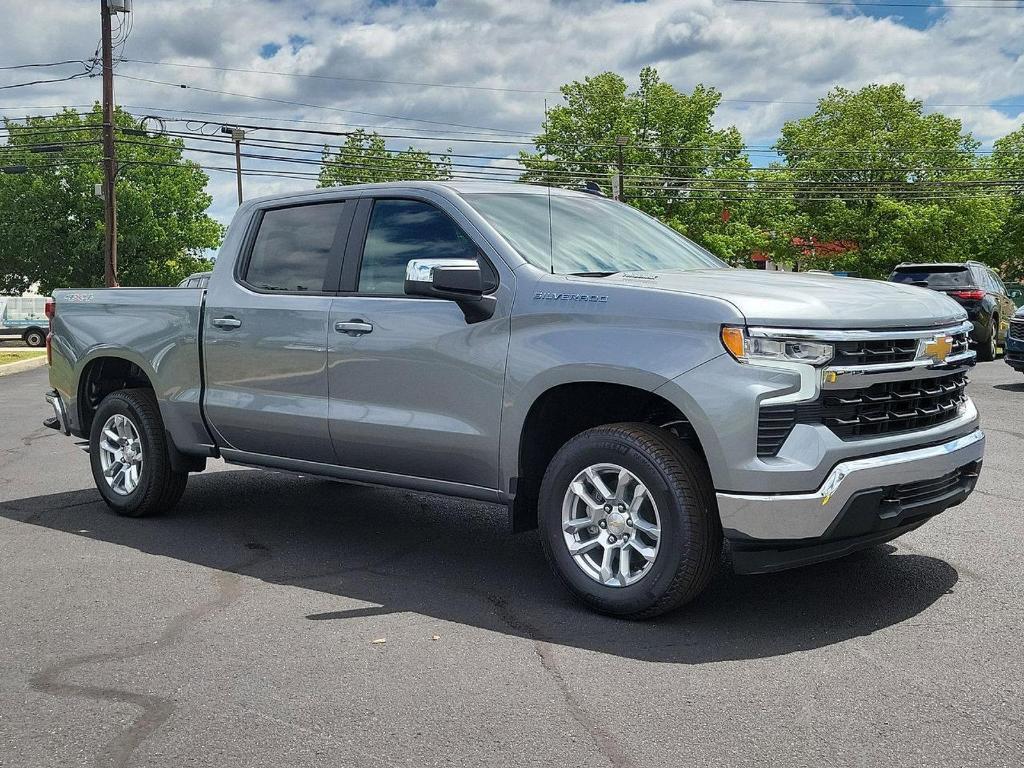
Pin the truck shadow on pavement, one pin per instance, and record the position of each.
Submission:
(454, 560)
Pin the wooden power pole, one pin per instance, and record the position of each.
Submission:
(109, 158)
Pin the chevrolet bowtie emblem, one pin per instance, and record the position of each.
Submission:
(938, 349)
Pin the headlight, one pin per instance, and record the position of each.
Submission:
(747, 348)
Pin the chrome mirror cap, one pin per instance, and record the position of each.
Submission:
(422, 270)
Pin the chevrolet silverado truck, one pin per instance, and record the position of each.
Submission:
(612, 383)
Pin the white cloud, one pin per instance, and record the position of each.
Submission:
(749, 51)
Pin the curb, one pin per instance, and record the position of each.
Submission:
(23, 365)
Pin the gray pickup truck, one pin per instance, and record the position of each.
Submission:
(612, 383)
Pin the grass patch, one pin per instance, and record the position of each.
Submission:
(7, 356)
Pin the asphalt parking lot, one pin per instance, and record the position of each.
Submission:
(241, 629)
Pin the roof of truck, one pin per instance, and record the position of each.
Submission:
(458, 187)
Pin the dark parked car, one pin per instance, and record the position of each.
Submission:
(977, 289)
(1014, 346)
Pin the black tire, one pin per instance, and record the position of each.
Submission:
(34, 337)
(159, 486)
(988, 349)
(678, 482)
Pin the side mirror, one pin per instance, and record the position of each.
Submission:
(458, 280)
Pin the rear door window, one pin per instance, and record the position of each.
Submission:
(294, 247)
(938, 278)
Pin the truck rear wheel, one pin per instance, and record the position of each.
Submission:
(628, 520)
(128, 451)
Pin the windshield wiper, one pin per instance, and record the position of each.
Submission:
(592, 274)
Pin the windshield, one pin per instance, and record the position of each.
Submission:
(933, 277)
(587, 234)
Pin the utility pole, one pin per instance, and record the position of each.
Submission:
(107, 9)
(237, 136)
(621, 141)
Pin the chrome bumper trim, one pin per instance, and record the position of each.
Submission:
(809, 515)
(860, 376)
(861, 335)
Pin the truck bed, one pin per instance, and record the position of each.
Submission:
(157, 329)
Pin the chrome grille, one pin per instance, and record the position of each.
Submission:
(871, 352)
(1017, 329)
(881, 409)
(864, 393)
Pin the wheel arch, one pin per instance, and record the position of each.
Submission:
(103, 373)
(562, 410)
(106, 372)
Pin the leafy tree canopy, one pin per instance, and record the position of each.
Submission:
(678, 166)
(871, 168)
(365, 158)
(1008, 163)
(52, 228)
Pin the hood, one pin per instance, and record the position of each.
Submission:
(788, 299)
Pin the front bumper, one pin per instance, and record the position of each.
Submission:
(862, 502)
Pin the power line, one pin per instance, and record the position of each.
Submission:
(929, 105)
(905, 189)
(339, 154)
(339, 78)
(1001, 7)
(43, 82)
(747, 148)
(7, 67)
(667, 195)
(681, 149)
(210, 67)
(314, 106)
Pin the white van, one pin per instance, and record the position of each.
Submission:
(26, 316)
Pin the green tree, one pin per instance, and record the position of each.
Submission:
(51, 230)
(678, 167)
(365, 158)
(870, 167)
(1008, 164)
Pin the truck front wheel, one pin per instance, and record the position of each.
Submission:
(628, 520)
(130, 460)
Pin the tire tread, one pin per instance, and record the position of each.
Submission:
(165, 486)
(689, 480)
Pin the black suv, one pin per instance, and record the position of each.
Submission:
(976, 288)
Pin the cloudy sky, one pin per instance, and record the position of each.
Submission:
(771, 59)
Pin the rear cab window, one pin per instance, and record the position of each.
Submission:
(934, 276)
(295, 248)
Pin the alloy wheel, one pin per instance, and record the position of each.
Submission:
(611, 525)
(121, 454)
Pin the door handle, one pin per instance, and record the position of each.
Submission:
(354, 327)
(227, 323)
